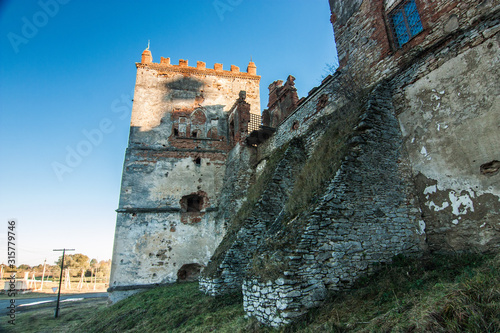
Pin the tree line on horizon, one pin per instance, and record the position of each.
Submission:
(74, 262)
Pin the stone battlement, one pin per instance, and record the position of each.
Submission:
(200, 69)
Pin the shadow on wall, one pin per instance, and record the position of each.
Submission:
(181, 115)
(184, 88)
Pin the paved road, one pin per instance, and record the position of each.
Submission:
(23, 304)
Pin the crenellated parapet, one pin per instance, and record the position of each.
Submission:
(165, 66)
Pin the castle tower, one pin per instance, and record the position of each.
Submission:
(180, 134)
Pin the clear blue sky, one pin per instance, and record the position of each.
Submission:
(63, 74)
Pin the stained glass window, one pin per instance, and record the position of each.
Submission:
(406, 22)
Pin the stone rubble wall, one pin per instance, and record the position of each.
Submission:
(306, 114)
(230, 269)
(389, 196)
(238, 176)
(368, 215)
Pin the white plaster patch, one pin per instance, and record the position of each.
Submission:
(260, 167)
(457, 201)
(437, 208)
(430, 189)
(389, 3)
(421, 225)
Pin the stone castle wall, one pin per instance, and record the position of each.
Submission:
(365, 39)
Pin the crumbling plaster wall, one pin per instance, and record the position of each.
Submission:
(157, 246)
(154, 236)
(156, 179)
(157, 92)
(450, 120)
(163, 87)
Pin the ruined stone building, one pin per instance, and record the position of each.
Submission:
(404, 138)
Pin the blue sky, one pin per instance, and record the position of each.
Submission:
(68, 73)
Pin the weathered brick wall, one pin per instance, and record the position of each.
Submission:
(365, 40)
(283, 100)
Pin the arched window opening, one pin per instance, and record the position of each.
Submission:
(189, 272)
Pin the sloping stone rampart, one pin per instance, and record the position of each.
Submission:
(231, 266)
(368, 214)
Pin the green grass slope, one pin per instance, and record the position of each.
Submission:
(459, 293)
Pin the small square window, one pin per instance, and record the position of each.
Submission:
(405, 22)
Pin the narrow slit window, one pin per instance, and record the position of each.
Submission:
(406, 23)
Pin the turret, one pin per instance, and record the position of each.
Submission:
(147, 58)
(252, 69)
